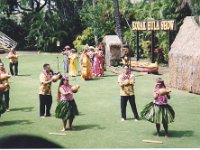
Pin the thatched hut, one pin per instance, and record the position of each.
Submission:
(184, 58)
(113, 47)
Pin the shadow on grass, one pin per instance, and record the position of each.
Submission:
(174, 134)
(93, 79)
(187, 133)
(97, 78)
(131, 119)
(159, 74)
(24, 109)
(80, 114)
(88, 126)
(110, 75)
(139, 75)
(20, 122)
(25, 75)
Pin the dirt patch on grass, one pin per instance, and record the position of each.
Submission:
(163, 70)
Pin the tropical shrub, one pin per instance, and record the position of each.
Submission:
(45, 30)
(99, 17)
(86, 38)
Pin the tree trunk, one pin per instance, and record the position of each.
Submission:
(49, 5)
(117, 19)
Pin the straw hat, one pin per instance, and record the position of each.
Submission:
(91, 47)
(67, 47)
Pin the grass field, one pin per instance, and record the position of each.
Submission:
(99, 124)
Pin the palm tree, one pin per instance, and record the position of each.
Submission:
(117, 19)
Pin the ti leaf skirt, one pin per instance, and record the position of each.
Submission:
(66, 109)
(158, 113)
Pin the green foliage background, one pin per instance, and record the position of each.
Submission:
(75, 23)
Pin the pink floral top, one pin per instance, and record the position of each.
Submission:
(67, 97)
(161, 99)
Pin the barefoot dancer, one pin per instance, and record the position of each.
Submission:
(158, 111)
(66, 109)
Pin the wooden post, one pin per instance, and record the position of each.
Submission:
(152, 46)
(58, 45)
(117, 19)
(95, 36)
(170, 39)
(137, 44)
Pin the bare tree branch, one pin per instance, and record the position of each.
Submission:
(181, 5)
(26, 9)
(38, 8)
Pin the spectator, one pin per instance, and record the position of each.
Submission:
(66, 54)
(126, 81)
(13, 57)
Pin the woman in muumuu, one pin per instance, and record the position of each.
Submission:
(73, 63)
(67, 108)
(86, 67)
(98, 65)
(159, 111)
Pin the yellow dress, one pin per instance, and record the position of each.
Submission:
(86, 67)
(73, 64)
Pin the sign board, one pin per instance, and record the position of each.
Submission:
(154, 25)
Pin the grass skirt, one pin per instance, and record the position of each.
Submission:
(158, 113)
(66, 109)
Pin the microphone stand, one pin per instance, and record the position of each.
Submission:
(58, 45)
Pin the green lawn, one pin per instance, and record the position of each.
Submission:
(99, 124)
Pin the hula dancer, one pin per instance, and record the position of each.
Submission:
(159, 111)
(66, 109)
